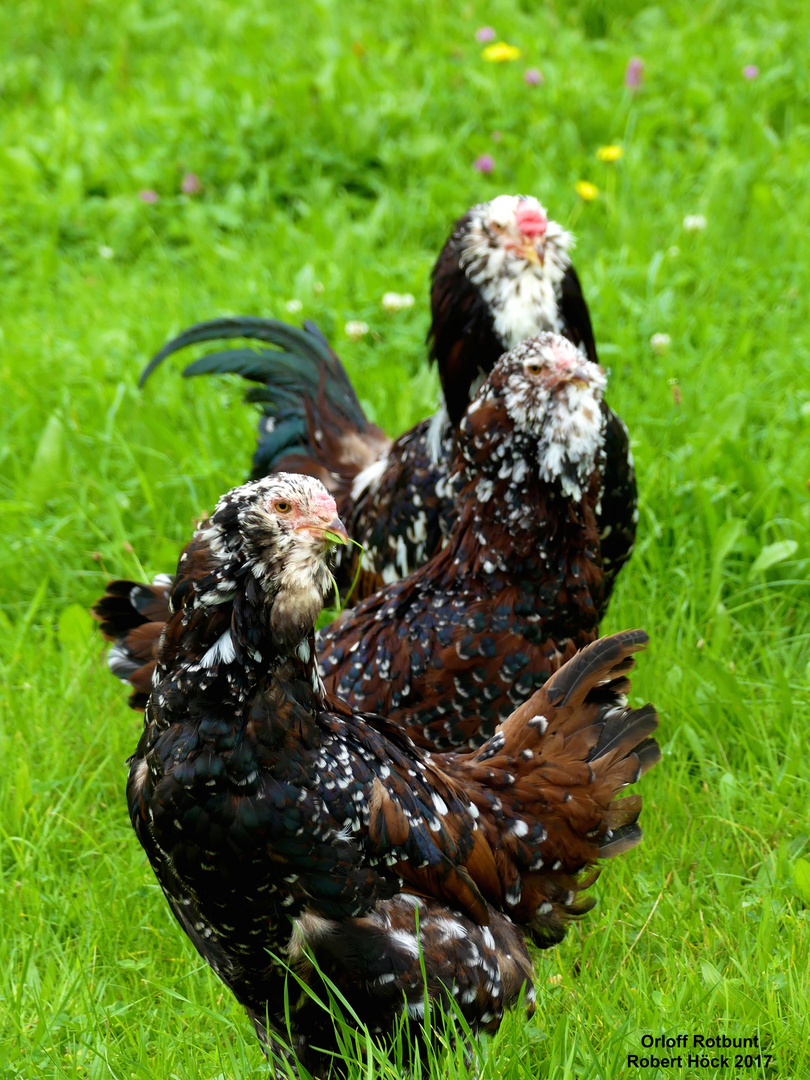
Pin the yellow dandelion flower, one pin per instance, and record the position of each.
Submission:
(609, 153)
(500, 52)
(586, 190)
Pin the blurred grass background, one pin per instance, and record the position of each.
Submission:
(333, 145)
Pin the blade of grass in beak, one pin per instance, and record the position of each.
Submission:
(334, 538)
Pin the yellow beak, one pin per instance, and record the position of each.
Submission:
(531, 254)
(335, 532)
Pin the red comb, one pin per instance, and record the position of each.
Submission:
(530, 220)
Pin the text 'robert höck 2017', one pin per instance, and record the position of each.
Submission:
(699, 1051)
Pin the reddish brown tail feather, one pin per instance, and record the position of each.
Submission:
(546, 784)
(132, 616)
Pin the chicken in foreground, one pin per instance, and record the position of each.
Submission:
(503, 275)
(284, 826)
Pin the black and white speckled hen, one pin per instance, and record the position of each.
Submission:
(283, 825)
(503, 275)
(450, 650)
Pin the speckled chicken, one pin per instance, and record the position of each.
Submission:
(284, 825)
(517, 590)
(503, 275)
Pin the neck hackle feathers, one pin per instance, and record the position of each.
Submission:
(549, 397)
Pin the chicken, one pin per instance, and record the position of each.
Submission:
(454, 647)
(503, 275)
(451, 650)
(286, 827)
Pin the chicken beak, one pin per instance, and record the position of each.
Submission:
(335, 532)
(580, 376)
(532, 255)
(575, 376)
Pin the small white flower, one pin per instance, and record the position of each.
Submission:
(355, 329)
(694, 222)
(318, 287)
(293, 306)
(391, 301)
(106, 252)
(660, 343)
(674, 251)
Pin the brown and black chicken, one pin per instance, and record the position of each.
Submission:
(517, 590)
(503, 275)
(286, 827)
(452, 649)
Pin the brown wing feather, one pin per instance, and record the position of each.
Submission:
(334, 454)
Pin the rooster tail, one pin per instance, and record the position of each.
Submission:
(548, 780)
(311, 419)
(132, 616)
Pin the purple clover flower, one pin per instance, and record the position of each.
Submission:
(750, 71)
(484, 164)
(149, 196)
(634, 74)
(190, 184)
(485, 33)
(533, 76)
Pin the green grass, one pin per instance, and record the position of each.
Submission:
(335, 143)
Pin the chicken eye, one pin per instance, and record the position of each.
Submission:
(534, 369)
(283, 507)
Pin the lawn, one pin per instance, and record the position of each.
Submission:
(332, 145)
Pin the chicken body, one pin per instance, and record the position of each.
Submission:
(281, 822)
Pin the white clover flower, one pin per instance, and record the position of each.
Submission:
(660, 343)
(391, 301)
(694, 222)
(355, 329)
(293, 306)
(106, 252)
